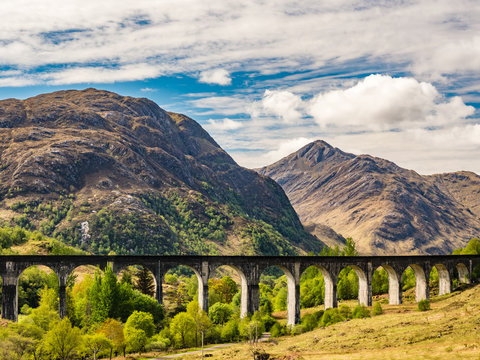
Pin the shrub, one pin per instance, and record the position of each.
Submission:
(345, 311)
(268, 322)
(360, 312)
(230, 331)
(318, 315)
(330, 317)
(297, 329)
(277, 330)
(309, 322)
(424, 305)
(377, 309)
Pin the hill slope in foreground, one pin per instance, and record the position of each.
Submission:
(140, 180)
(386, 209)
(450, 330)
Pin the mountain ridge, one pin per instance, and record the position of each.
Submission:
(385, 208)
(143, 180)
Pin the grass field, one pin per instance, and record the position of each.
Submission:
(451, 330)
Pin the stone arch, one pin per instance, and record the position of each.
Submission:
(463, 273)
(444, 279)
(330, 286)
(45, 268)
(243, 287)
(364, 286)
(293, 294)
(394, 285)
(202, 284)
(421, 283)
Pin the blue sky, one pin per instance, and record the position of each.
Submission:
(394, 79)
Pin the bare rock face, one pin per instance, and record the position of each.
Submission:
(145, 180)
(385, 208)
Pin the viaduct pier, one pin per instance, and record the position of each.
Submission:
(249, 269)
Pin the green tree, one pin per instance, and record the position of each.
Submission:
(62, 341)
(182, 329)
(220, 313)
(136, 340)
(145, 282)
(94, 343)
(140, 320)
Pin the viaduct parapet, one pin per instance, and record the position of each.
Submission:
(249, 269)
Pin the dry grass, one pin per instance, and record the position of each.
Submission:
(450, 330)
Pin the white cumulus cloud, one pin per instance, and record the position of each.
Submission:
(283, 104)
(216, 76)
(380, 102)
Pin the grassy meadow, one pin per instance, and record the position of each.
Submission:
(451, 329)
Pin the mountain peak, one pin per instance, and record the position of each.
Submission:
(385, 208)
(147, 181)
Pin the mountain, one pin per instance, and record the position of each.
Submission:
(386, 209)
(105, 172)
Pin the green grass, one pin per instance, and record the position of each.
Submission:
(402, 332)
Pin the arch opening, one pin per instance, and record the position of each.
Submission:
(317, 288)
(386, 281)
(352, 283)
(463, 274)
(279, 292)
(228, 285)
(439, 280)
(180, 285)
(36, 283)
(414, 277)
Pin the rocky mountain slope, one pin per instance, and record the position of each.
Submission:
(110, 173)
(385, 208)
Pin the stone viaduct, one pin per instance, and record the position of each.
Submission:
(249, 269)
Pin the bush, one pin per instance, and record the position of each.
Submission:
(297, 329)
(345, 311)
(318, 315)
(330, 317)
(277, 330)
(377, 309)
(309, 322)
(424, 305)
(229, 331)
(268, 322)
(360, 312)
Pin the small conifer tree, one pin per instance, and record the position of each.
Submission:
(145, 283)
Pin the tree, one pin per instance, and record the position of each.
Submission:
(224, 289)
(220, 313)
(62, 341)
(182, 329)
(136, 340)
(113, 331)
(145, 282)
(94, 343)
(200, 317)
(142, 321)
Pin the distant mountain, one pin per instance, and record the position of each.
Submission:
(105, 172)
(385, 208)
